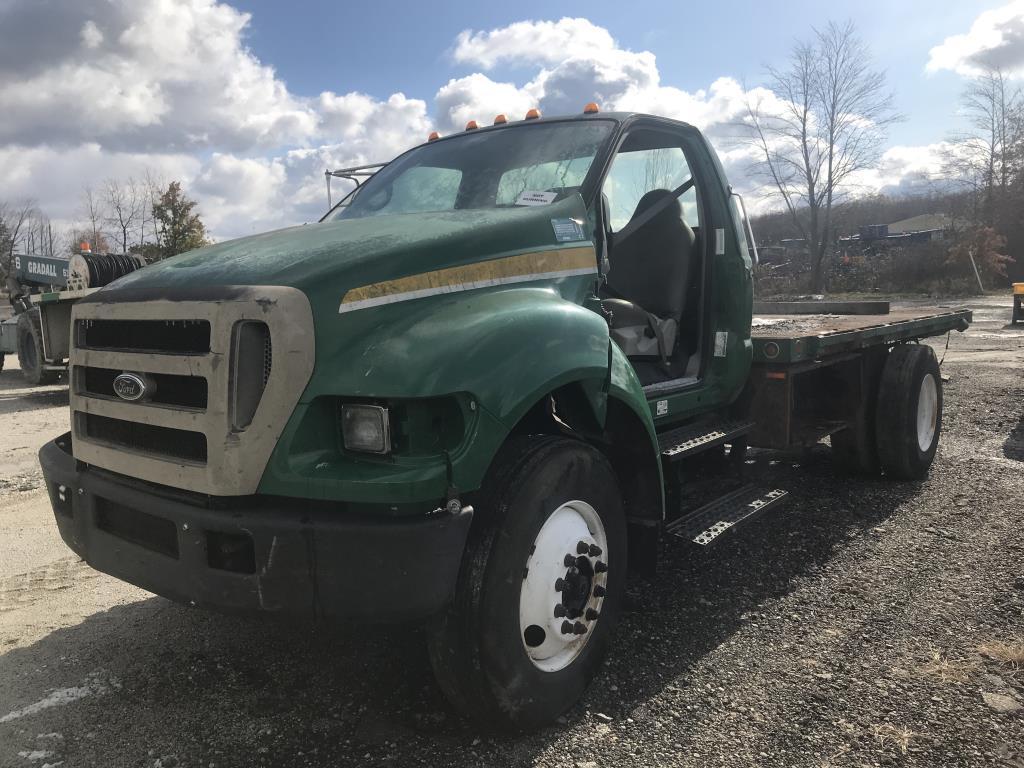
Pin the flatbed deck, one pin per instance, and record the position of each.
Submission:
(796, 338)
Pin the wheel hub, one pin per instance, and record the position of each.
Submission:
(564, 584)
(578, 585)
(927, 412)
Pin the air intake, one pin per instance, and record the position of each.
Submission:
(251, 359)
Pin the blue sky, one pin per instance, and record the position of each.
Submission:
(319, 47)
(247, 101)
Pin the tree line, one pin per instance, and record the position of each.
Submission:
(829, 125)
(147, 216)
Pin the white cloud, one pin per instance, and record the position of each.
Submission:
(158, 76)
(119, 86)
(995, 39)
(91, 35)
(533, 43)
(477, 97)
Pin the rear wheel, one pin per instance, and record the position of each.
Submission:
(909, 416)
(540, 587)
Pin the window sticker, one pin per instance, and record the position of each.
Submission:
(531, 197)
(568, 230)
(662, 407)
(719, 242)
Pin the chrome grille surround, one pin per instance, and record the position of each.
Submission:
(235, 459)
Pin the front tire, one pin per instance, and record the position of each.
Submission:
(30, 349)
(909, 416)
(513, 652)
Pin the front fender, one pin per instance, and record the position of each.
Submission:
(502, 350)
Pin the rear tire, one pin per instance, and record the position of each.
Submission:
(492, 669)
(30, 350)
(909, 415)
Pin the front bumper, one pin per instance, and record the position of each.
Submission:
(255, 554)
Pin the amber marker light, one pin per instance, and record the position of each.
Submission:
(533, 114)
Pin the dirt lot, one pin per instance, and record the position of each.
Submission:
(865, 624)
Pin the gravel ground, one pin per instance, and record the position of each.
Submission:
(864, 624)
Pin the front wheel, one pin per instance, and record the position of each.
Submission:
(540, 587)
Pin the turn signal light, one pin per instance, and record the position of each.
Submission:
(434, 136)
(500, 120)
(533, 114)
(471, 125)
(591, 109)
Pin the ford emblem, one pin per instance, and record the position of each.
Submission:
(130, 386)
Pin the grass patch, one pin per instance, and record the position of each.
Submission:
(897, 736)
(1007, 654)
(947, 670)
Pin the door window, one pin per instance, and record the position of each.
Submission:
(635, 172)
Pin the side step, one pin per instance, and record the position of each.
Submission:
(694, 438)
(705, 525)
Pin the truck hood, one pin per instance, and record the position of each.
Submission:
(340, 255)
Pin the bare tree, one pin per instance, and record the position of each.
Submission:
(124, 202)
(14, 218)
(834, 116)
(986, 159)
(153, 187)
(94, 216)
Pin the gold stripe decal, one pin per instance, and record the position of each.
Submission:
(521, 268)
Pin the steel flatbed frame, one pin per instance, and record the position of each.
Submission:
(798, 338)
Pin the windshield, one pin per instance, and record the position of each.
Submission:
(515, 166)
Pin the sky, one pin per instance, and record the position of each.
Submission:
(247, 102)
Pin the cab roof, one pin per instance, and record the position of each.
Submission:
(618, 117)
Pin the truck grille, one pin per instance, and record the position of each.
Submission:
(158, 441)
(214, 403)
(180, 391)
(181, 337)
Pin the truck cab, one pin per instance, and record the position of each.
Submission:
(449, 401)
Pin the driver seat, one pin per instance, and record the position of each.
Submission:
(648, 276)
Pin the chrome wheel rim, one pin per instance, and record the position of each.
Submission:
(564, 583)
(927, 412)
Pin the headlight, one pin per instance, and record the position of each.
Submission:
(365, 428)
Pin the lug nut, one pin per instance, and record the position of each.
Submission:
(567, 627)
(560, 611)
(600, 591)
(592, 614)
(600, 567)
(579, 628)
(569, 561)
(559, 585)
(582, 548)
(594, 550)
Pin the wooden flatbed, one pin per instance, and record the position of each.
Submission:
(798, 338)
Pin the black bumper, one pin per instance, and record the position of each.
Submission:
(255, 554)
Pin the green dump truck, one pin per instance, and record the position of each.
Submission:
(463, 397)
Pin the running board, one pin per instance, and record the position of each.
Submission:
(705, 525)
(694, 438)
